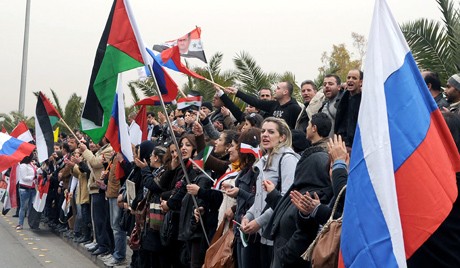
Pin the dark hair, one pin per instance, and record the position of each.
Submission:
(250, 137)
(151, 114)
(323, 124)
(290, 87)
(65, 146)
(433, 79)
(191, 139)
(309, 82)
(230, 135)
(453, 122)
(254, 119)
(28, 159)
(160, 151)
(336, 77)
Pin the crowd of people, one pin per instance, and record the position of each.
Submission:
(273, 174)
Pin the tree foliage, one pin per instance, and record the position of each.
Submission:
(435, 45)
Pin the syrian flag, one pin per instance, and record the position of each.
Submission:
(190, 45)
(206, 152)
(138, 128)
(120, 49)
(171, 58)
(117, 131)
(188, 101)
(229, 175)
(46, 116)
(248, 149)
(40, 197)
(21, 132)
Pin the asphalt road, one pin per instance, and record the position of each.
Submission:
(41, 248)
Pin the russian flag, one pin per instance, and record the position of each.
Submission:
(171, 58)
(138, 128)
(117, 131)
(22, 132)
(402, 181)
(166, 84)
(12, 151)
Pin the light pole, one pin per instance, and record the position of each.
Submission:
(25, 48)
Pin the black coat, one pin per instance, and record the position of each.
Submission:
(290, 241)
(346, 117)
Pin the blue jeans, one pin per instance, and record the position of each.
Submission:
(27, 197)
(119, 252)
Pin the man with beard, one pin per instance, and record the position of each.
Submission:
(308, 90)
(332, 94)
(453, 93)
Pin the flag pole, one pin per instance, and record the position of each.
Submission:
(181, 160)
(71, 131)
(204, 172)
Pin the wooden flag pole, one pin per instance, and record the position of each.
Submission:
(71, 131)
(181, 160)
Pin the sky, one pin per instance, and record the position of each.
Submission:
(280, 35)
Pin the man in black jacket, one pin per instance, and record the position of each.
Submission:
(284, 106)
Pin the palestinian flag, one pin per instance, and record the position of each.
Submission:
(46, 116)
(120, 49)
(201, 161)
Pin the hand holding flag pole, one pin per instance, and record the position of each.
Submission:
(181, 160)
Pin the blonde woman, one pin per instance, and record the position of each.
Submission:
(278, 167)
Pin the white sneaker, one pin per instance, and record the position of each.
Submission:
(114, 262)
(106, 258)
(90, 245)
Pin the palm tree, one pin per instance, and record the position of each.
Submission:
(11, 120)
(436, 45)
(251, 78)
(206, 89)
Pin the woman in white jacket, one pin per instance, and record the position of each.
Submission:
(277, 166)
(26, 173)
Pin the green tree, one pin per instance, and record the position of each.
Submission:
(435, 45)
(250, 76)
(341, 60)
(11, 120)
(224, 78)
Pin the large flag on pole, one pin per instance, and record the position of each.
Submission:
(166, 84)
(171, 58)
(190, 45)
(138, 127)
(117, 131)
(22, 132)
(120, 49)
(46, 116)
(12, 151)
(402, 181)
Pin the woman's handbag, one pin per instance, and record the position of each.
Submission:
(324, 250)
(139, 215)
(220, 253)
